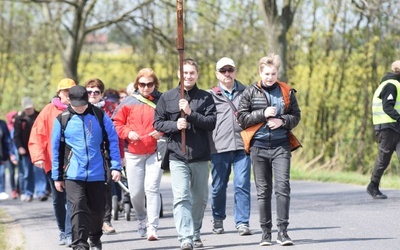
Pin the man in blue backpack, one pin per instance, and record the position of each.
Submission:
(83, 148)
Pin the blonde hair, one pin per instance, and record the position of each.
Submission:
(272, 60)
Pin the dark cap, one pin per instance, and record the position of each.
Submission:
(111, 98)
(78, 96)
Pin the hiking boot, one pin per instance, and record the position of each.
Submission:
(266, 239)
(284, 239)
(218, 226)
(96, 245)
(186, 246)
(108, 228)
(243, 229)
(373, 190)
(142, 228)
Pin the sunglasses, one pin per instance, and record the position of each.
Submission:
(148, 84)
(96, 92)
(230, 70)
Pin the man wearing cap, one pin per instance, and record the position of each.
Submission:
(30, 179)
(386, 120)
(40, 149)
(79, 167)
(227, 151)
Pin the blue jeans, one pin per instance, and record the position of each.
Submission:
(221, 169)
(26, 175)
(2, 178)
(61, 208)
(268, 164)
(189, 183)
(40, 181)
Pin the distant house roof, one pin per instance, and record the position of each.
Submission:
(96, 38)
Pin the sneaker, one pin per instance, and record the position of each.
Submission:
(96, 245)
(197, 243)
(108, 228)
(42, 198)
(4, 196)
(243, 229)
(68, 241)
(373, 190)
(61, 239)
(266, 240)
(186, 246)
(14, 194)
(152, 235)
(142, 228)
(218, 226)
(284, 239)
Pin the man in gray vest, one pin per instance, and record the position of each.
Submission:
(386, 120)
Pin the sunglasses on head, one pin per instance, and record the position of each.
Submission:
(230, 70)
(96, 92)
(148, 84)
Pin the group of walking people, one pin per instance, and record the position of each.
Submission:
(87, 135)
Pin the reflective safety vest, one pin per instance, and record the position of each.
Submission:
(378, 115)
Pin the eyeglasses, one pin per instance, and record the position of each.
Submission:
(230, 70)
(148, 84)
(96, 92)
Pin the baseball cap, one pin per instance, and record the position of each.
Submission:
(224, 61)
(27, 103)
(396, 66)
(78, 96)
(65, 83)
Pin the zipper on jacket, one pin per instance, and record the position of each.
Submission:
(86, 147)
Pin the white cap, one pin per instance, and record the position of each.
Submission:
(224, 61)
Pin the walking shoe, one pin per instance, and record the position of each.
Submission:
(14, 194)
(373, 190)
(142, 228)
(198, 243)
(186, 246)
(108, 228)
(96, 245)
(266, 240)
(152, 234)
(284, 239)
(61, 239)
(243, 229)
(68, 241)
(4, 196)
(218, 226)
(43, 198)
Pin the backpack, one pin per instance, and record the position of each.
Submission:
(65, 151)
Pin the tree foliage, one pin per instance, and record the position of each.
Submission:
(334, 51)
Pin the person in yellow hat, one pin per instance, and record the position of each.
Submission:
(40, 150)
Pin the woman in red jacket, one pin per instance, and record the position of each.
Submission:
(133, 121)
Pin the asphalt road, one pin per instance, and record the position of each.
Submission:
(323, 216)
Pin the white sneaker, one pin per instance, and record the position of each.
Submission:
(142, 228)
(4, 196)
(152, 234)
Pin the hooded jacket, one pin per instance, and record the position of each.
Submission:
(40, 138)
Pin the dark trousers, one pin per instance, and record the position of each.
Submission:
(108, 197)
(87, 201)
(388, 142)
(268, 164)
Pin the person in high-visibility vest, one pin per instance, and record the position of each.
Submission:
(386, 120)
